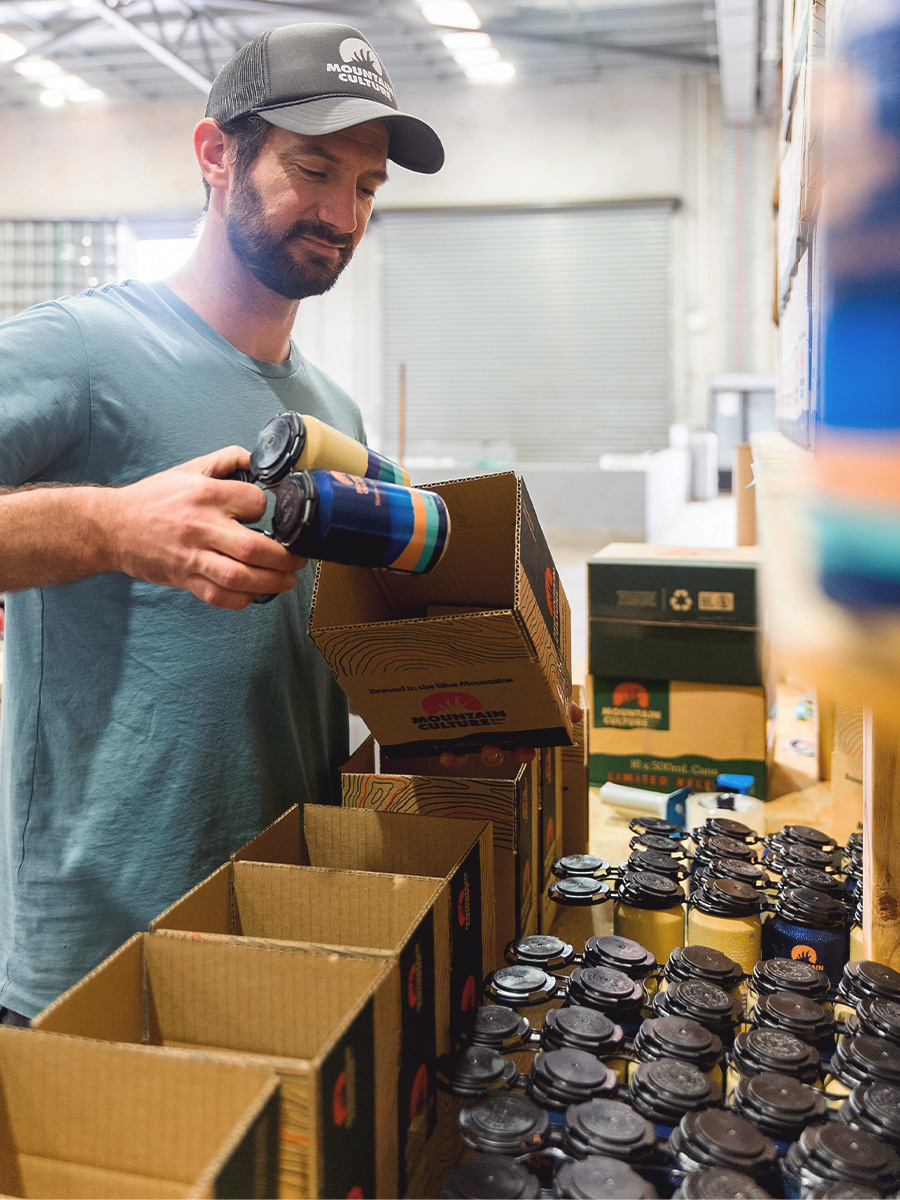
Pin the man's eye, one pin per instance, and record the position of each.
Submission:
(312, 174)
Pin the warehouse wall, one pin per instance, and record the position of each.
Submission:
(628, 136)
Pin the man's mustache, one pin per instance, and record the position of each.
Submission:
(322, 232)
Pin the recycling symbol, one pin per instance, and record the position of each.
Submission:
(681, 601)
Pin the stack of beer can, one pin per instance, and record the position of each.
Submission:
(722, 1042)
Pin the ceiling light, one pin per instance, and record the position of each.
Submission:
(497, 72)
(476, 54)
(458, 14)
(462, 40)
(89, 95)
(10, 48)
(52, 99)
(69, 84)
(39, 69)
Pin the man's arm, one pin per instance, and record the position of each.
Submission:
(181, 528)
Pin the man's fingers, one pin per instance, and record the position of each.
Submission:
(524, 754)
(576, 712)
(253, 548)
(220, 464)
(491, 755)
(453, 762)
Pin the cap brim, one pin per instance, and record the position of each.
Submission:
(413, 144)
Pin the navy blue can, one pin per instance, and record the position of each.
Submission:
(810, 927)
(361, 522)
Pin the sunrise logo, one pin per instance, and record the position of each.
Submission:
(631, 693)
(805, 954)
(441, 702)
(456, 710)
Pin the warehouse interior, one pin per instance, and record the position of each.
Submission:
(593, 445)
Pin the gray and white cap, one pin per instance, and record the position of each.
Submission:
(319, 78)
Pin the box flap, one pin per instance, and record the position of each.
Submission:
(206, 908)
(108, 1003)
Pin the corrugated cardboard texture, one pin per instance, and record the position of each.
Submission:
(484, 676)
(575, 787)
(551, 829)
(80, 1118)
(299, 1011)
(706, 729)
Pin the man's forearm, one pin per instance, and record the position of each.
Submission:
(51, 534)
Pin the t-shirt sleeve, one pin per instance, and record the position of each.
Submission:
(45, 397)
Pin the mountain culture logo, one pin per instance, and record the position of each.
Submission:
(631, 693)
(360, 53)
(456, 710)
(360, 65)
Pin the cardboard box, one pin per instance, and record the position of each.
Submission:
(551, 823)
(461, 852)
(506, 795)
(325, 1023)
(84, 1119)
(499, 671)
(663, 612)
(575, 782)
(847, 771)
(401, 917)
(663, 735)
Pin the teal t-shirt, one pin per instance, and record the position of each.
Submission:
(144, 736)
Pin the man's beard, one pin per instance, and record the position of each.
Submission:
(268, 256)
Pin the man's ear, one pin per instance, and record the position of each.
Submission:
(210, 146)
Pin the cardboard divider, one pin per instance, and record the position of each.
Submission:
(326, 1023)
(507, 795)
(575, 782)
(401, 917)
(495, 670)
(81, 1118)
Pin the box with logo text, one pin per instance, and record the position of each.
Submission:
(325, 1023)
(85, 1118)
(403, 917)
(576, 783)
(507, 795)
(478, 651)
(667, 612)
(667, 734)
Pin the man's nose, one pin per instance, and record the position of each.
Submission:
(338, 207)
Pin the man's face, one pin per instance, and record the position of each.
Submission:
(296, 216)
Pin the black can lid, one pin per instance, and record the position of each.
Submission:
(504, 1124)
(656, 825)
(704, 963)
(580, 864)
(624, 954)
(520, 985)
(665, 1088)
(278, 447)
(779, 1105)
(540, 950)
(809, 836)
(720, 1136)
(655, 860)
(717, 845)
(495, 1025)
(863, 1057)
(567, 1076)
(644, 889)
(797, 1014)
(726, 827)
(844, 1190)
(854, 841)
(490, 1177)
(758, 1050)
(599, 1178)
(716, 1182)
(880, 1018)
(705, 1002)
(295, 507)
(874, 1107)
(577, 890)
(655, 841)
(736, 868)
(790, 975)
(814, 909)
(838, 1151)
(677, 1037)
(727, 898)
(604, 987)
(609, 1127)
(806, 856)
(478, 1069)
(819, 881)
(867, 978)
(582, 1029)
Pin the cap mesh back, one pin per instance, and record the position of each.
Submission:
(242, 84)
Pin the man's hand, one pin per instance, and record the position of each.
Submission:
(492, 756)
(185, 528)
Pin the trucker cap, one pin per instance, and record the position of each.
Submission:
(319, 78)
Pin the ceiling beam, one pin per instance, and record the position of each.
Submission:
(151, 45)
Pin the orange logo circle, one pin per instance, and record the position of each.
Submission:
(805, 954)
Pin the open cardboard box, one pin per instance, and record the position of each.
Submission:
(506, 795)
(81, 1118)
(477, 651)
(349, 839)
(575, 782)
(392, 916)
(325, 1023)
